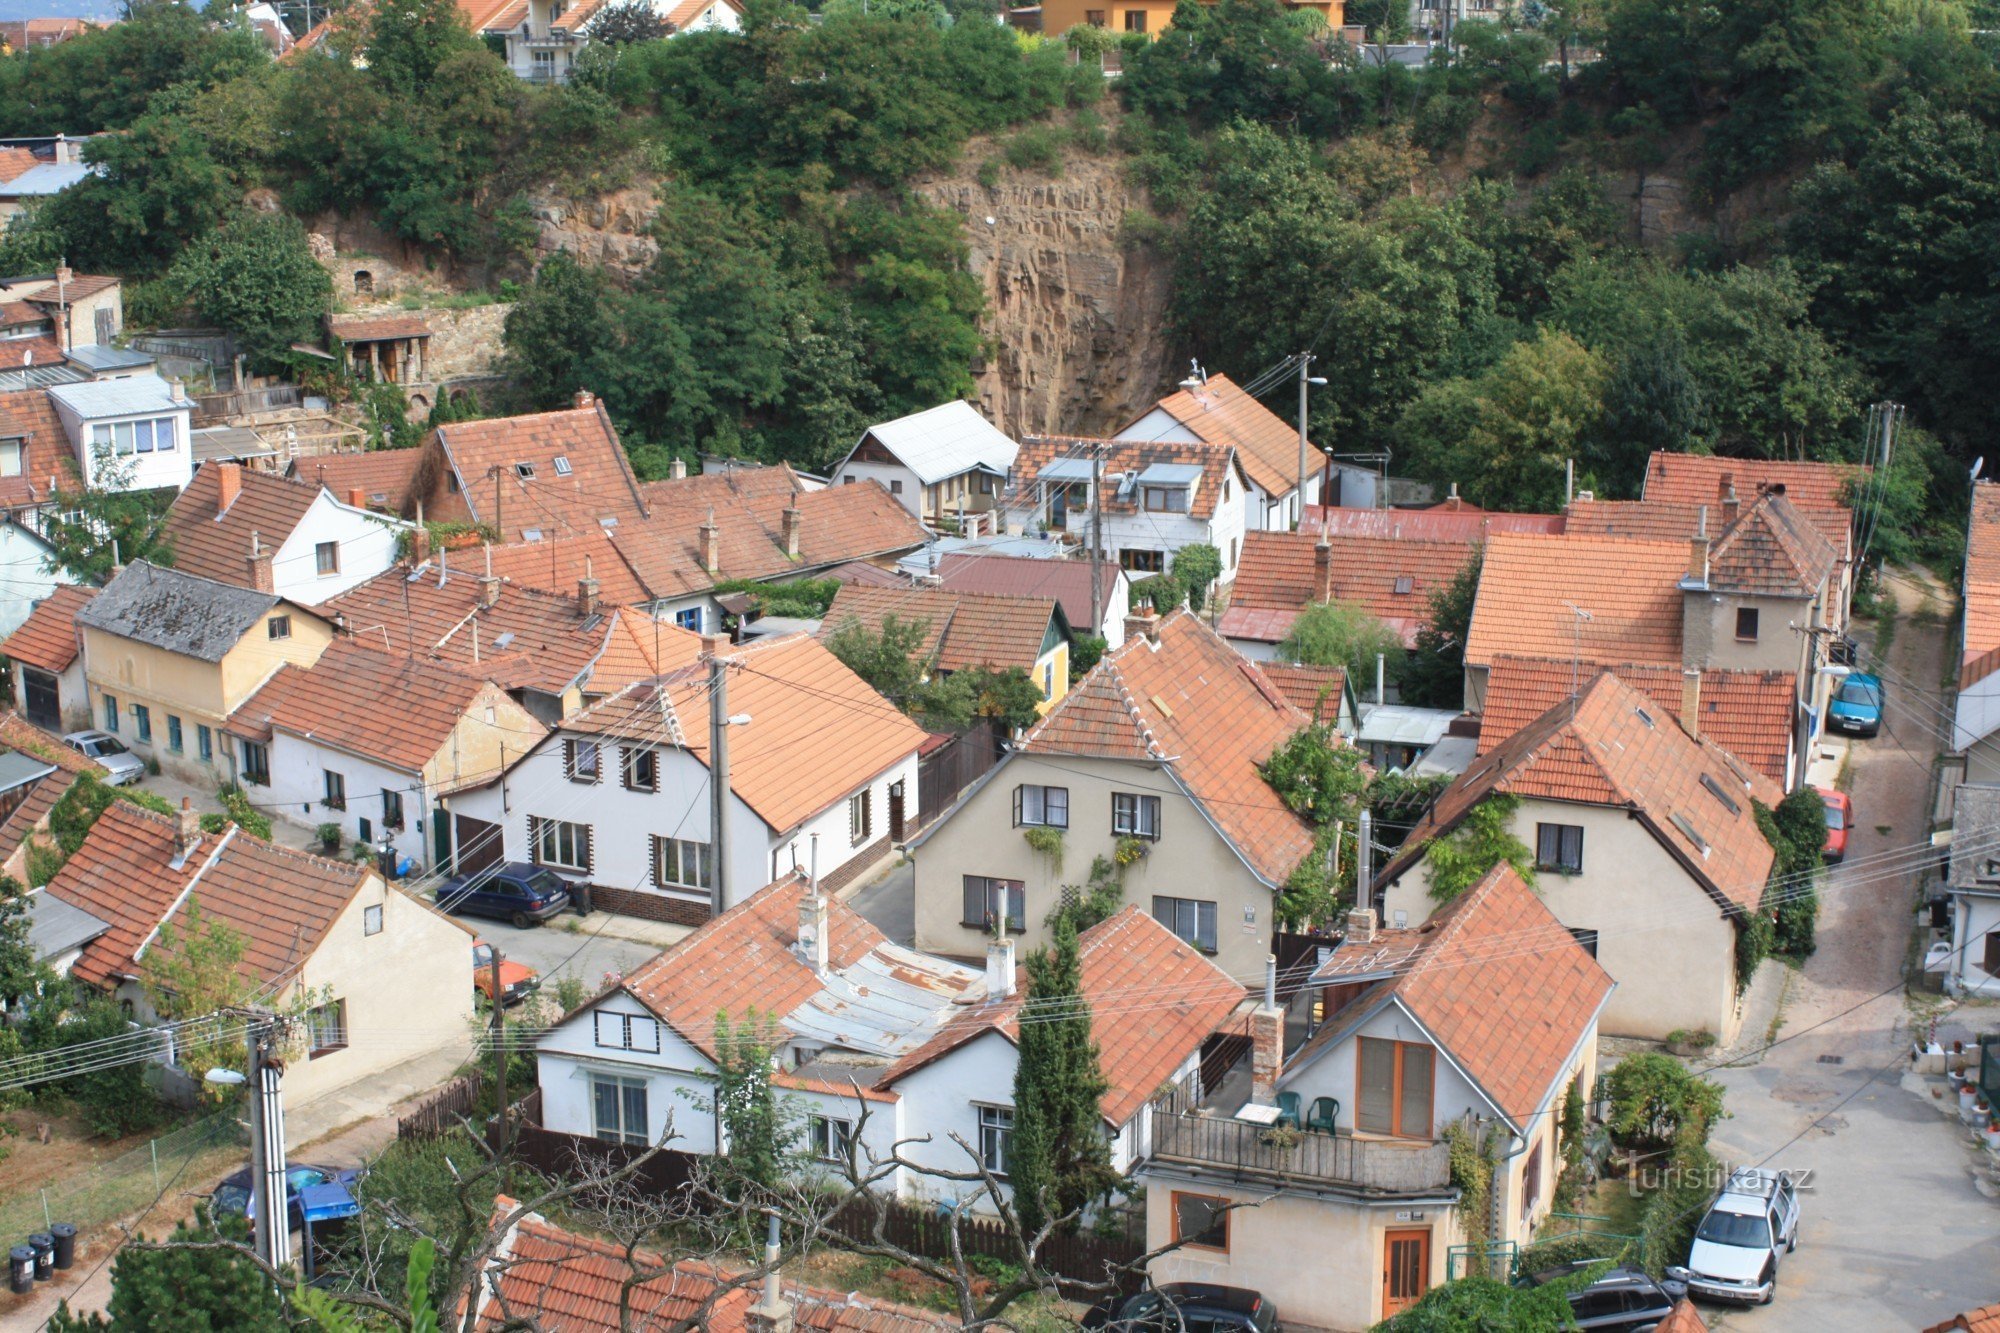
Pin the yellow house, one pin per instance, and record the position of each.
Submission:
(966, 630)
(169, 656)
(1150, 17)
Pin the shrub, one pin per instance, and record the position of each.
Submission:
(1037, 147)
(1654, 1099)
(247, 816)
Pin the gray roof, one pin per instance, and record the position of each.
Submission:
(97, 356)
(1031, 547)
(225, 443)
(47, 178)
(55, 927)
(1404, 724)
(945, 441)
(1171, 474)
(118, 398)
(1065, 469)
(1975, 853)
(182, 613)
(40, 377)
(17, 769)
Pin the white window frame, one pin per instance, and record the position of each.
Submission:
(623, 1131)
(995, 1136)
(613, 1031)
(1141, 819)
(551, 834)
(671, 858)
(829, 1137)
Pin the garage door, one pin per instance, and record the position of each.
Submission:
(479, 844)
(43, 698)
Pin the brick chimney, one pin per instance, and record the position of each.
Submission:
(1267, 1041)
(1725, 494)
(358, 498)
(584, 398)
(999, 967)
(1691, 700)
(678, 470)
(586, 590)
(1697, 571)
(1143, 625)
(1361, 926)
(812, 941)
(489, 590)
(1322, 568)
(261, 577)
(711, 545)
(228, 485)
(190, 827)
(420, 544)
(788, 524)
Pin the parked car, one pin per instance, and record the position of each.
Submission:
(1621, 1300)
(517, 980)
(321, 1193)
(1196, 1307)
(1857, 705)
(120, 763)
(1747, 1232)
(511, 891)
(1839, 819)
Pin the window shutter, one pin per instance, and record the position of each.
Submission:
(1017, 805)
(535, 839)
(589, 837)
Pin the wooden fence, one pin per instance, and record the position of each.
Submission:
(952, 767)
(440, 1113)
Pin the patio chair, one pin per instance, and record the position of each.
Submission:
(1324, 1115)
(1288, 1109)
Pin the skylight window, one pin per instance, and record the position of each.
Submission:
(531, 534)
(1714, 789)
(562, 465)
(608, 521)
(525, 471)
(1405, 585)
(1645, 717)
(1686, 826)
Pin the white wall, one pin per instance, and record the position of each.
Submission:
(1975, 917)
(297, 793)
(891, 475)
(940, 1100)
(678, 1088)
(151, 471)
(367, 546)
(1332, 1074)
(26, 576)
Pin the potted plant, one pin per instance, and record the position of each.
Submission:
(1284, 1138)
(1130, 851)
(329, 838)
(1683, 1042)
(1047, 841)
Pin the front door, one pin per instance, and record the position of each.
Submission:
(895, 812)
(43, 698)
(1406, 1269)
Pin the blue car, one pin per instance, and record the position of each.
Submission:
(312, 1193)
(1857, 706)
(512, 891)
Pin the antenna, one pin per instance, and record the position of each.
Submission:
(1576, 655)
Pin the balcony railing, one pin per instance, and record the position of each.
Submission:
(1372, 1166)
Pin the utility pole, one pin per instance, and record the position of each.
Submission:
(1306, 381)
(499, 1055)
(1364, 858)
(718, 781)
(1096, 537)
(270, 1225)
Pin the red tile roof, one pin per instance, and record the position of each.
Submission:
(1631, 590)
(1615, 747)
(566, 1282)
(559, 564)
(48, 637)
(1820, 491)
(579, 473)
(1205, 714)
(1986, 1319)
(14, 161)
(378, 328)
(1981, 641)
(1068, 581)
(213, 541)
(1502, 987)
(964, 629)
(1216, 461)
(79, 286)
(24, 818)
(1463, 524)
(1390, 578)
(43, 350)
(1769, 548)
(1747, 713)
(397, 711)
(1139, 1045)
(1316, 691)
(20, 734)
(818, 732)
(1219, 412)
(1687, 1319)
(381, 475)
(687, 11)
(47, 461)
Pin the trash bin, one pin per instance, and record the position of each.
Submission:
(21, 1269)
(65, 1234)
(579, 898)
(44, 1246)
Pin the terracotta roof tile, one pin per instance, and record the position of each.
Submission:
(1463, 524)
(1068, 581)
(381, 475)
(1315, 691)
(1219, 412)
(558, 565)
(377, 328)
(1139, 1045)
(76, 289)
(1390, 578)
(1747, 713)
(687, 11)
(1982, 586)
(1207, 715)
(14, 161)
(1768, 548)
(555, 473)
(48, 638)
(1501, 985)
(1986, 1319)
(38, 351)
(398, 711)
(1687, 1319)
(1615, 747)
(214, 542)
(964, 629)
(33, 809)
(1125, 456)
(1819, 490)
(1630, 588)
(47, 460)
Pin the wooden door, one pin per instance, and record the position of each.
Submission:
(1406, 1269)
(895, 812)
(43, 699)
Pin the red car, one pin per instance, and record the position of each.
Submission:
(1839, 818)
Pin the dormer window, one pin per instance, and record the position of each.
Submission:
(1165, 499)
(11, 455)
(1168, 488)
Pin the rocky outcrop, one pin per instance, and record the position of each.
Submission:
(609, 231)
(1075, 315)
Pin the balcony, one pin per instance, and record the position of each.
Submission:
(543, 37)
(1340, 1162)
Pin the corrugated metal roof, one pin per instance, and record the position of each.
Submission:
(97, 356)
(1404, 724)
(17, 769)
(892, 1000)
(945, 441)
(48, 178)
(55, 927)
(117, 398)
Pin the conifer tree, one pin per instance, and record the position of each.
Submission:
(1060, 1156)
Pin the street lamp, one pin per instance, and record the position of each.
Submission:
(225, 1078)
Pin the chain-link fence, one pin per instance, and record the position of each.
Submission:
(188, 1158)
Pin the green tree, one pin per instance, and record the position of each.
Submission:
(215, 1289)
(1479, 1304)
(193, 970)
(1654, 1097)
(1060, 1155)
(411, 41)
(886, 658)
(627, 22)
(1796, 830)
(1342, 634)
(1483, 839)
(90, 531)
(256, 277)
(1433, 674)
(759, 1133)
(1195, 569)
(552, 333)
(1652, 403)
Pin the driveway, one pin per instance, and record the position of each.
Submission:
(588, 948)
(889, 901)
(1894, 1235)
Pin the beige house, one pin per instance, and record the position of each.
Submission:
(369, 976)
(1645, 845)
(1154, 753)
(169, 656)
(1356, 1220)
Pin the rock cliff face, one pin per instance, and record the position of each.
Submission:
(1076, 319)
(606, 231)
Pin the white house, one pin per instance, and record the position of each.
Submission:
(129, 434)
(239, 525)
(876, 1045)
(1973, 882)
(945, 464)
(1156, 497)
(28, 573)
(374, 741)
(1975, 732)
(544, 36)
(820, 767)
(1213, 409)
(46, 652)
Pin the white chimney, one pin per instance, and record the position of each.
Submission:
(1000, 969)
(812, 929)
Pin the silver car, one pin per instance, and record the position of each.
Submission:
(120, 763)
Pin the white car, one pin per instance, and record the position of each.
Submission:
(1749, 1229)
(120, 763)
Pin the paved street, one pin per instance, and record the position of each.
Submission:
(889, 901)
(597, 946)
(1895, 1236)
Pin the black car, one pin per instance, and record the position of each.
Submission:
(1189, 1307)
(512, 891)
(1621, 1300)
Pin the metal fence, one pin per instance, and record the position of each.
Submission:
(188, 1158)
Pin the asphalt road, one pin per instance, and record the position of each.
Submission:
(555, 950)
(1894, 1234)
